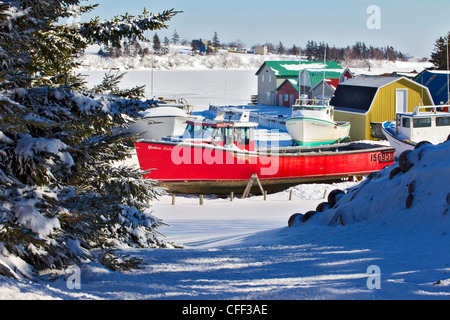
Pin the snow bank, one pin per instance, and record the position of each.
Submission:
(172, 61)
(180, 58)
(413, 193)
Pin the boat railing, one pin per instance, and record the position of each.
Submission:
(313, 102)
(431, 109)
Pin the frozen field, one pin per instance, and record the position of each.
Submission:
(199, 87)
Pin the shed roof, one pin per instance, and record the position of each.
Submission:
(371, 81)
(292, 81)
(290, 69)
(357, 94)
(436, 81)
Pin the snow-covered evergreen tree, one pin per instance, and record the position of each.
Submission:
(62, 189)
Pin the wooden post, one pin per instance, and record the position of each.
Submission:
(290, 195)
(201, 199)
(231, 196)
(173, 199)
(265, 195)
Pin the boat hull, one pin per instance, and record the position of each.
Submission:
(313, 132)
(156, 128)
(396, 142)
(193, 169)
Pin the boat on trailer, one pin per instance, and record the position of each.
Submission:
(220, 156)
(312, 123)
(432, 125)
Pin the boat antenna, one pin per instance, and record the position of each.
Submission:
(299, 70)
(153, 49)
(448, 73)
(324, 68)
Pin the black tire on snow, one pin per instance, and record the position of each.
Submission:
(332, 197)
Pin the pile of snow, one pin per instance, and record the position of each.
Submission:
(413, 194)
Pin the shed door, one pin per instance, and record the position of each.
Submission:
(401, 100)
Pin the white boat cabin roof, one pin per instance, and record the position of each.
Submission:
(220, 122)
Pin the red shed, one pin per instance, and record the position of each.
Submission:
(287, 93)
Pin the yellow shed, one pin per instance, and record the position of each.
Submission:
(374, 99)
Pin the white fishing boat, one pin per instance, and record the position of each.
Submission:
(408, 129)
(312, 123)
(167, 118)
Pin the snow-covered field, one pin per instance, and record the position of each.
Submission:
(369, 247)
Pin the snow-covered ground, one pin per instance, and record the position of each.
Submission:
(245, 250)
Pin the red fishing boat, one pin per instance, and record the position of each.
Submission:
(220, 156)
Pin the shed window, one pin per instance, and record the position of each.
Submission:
(422, 122)
(442, 121)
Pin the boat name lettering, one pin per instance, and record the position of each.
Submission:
(382, 157)
(152, 122)
(154, 147)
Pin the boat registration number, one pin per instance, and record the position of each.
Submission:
(382, 157)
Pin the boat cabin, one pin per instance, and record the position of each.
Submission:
(432, 125)
(223, 133)
(313, 108)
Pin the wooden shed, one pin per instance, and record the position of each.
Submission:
(287, 93)
(437, 82)
(374, 99)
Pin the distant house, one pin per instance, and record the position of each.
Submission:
(273, 74)
(437, 82)
(199, 45)
(366, 99)
(262, 50)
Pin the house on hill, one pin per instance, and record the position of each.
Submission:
(437, 82)
(273, 74)
(373, 99)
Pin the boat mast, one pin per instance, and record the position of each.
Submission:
(448, 73)
(153, 49)
(299, 70)
(324, 68)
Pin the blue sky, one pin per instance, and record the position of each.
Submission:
(411, 26)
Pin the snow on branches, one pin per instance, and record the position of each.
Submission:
(62, 189)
